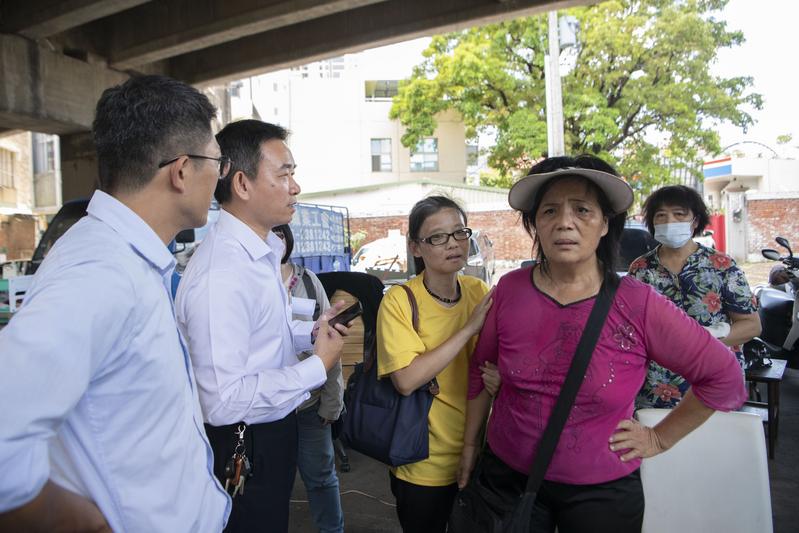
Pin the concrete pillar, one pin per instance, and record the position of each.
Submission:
(736, 225)
(78, 166)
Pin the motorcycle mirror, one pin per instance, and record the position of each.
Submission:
(782, 241)
(768, 253)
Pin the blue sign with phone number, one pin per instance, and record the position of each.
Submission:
(317, 231)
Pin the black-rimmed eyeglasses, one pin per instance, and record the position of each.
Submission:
(223, 160)
(437, 239)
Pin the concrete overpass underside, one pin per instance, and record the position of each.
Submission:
(56, 57)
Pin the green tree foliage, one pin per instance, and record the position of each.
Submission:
(641, 93)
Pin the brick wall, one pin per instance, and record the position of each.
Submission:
(17, 236)
(504, 228)
(769, 218)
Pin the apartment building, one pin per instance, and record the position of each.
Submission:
(30, 190)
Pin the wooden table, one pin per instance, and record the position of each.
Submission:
(769, 410)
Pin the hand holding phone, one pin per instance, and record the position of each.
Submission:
(347, 315)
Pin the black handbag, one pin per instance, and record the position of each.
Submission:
(382, 423)
(477, 508)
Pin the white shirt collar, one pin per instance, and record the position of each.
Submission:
(255, 246)
(130, 226)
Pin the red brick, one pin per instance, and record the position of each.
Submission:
(17, 236)
(504, 228)
(770, 218)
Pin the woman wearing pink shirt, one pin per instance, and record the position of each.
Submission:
(575, 208)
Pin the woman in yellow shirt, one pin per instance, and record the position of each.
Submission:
(452, 309)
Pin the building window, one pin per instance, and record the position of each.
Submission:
(380, 90)
(6, 169)
(424, 158)
(381, 155)
(332, 68)
(43, 153)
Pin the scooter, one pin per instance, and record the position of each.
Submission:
(779, 315)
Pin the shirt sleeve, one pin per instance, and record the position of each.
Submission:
(59, 340)
(736, 296)
(486, 348)
(676, 341)
(217, 320)
(397, 342)
(640, 270)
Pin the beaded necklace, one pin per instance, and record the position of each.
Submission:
(441, 298)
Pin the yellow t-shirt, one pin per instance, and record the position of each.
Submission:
(398, 344)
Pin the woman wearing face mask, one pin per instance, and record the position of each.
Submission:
(703, 282)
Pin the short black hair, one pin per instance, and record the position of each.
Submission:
(676, 196)
(143, 122)
(241, 141)
(608, 249)
(288, 240)
(421, 211)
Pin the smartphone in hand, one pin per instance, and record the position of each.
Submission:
(347, 315)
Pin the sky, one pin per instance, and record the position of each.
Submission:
(770, 55)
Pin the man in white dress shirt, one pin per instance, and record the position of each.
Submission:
(234, 312)
(100, 425)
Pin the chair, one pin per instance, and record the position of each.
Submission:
(715, 479)
(14, 292)
(351, 286)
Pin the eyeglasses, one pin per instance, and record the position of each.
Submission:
(437, 239)
(223, 160)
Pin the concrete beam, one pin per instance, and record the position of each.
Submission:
(154, 33)
(42, 18)
(375, 25)
(45, 91)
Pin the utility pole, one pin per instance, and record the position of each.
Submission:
(554, 94)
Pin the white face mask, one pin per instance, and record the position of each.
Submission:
(673, 234)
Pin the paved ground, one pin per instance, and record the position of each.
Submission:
(757, 273)
(365, 496)
(368, 504)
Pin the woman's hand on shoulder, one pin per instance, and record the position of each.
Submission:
(478, 316)
(637, 441)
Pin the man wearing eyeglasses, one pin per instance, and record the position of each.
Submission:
(100, 427)
(234, 312)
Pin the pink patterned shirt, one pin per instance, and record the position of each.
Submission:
(532, 339)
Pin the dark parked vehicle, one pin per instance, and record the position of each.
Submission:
(69, 213)
(635, 242)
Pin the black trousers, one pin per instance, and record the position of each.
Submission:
(422, 509)
(272, 450)
(615, 506)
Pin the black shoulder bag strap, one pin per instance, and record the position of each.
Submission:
(557, 420)
(414, 322)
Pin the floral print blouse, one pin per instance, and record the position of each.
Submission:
(709, 288)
